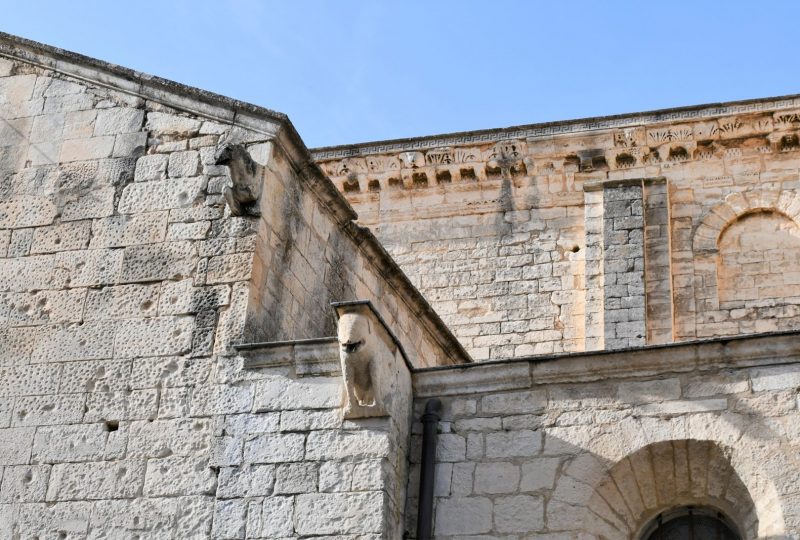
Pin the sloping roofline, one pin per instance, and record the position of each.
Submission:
(274, 125)
(548, 129)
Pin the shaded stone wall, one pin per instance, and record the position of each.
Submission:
(599, 445)
(496, 229)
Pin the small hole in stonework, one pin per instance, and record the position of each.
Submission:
(176, 333)
(28, 477)
(147, 304)
(62, 535)
(49, 407)
(22, 414)
(575, 249)
(57, 241)
(112, 425)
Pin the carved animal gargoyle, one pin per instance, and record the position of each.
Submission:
(359, 354)
(247, 177)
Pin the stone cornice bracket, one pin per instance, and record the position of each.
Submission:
(247, 179)
(377, 381)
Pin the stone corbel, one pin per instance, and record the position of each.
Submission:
(376, 378)
(247, 177)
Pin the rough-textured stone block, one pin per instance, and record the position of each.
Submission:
(496, 478)
(274, 448)
(71, 443)
(164, 438)
(151, 167)
(520, 513)
(156, 262)
(280, 393)
(271, 518)
(24, 483)
(326, 445)
(118, 120)
(87, 341)
(96, 480)
(183, 164)
(179, 476)
(141, 197)
(463, 515)
(523, 443)
(48, 410)
(128, 230)
(339, 513)
(159, 336)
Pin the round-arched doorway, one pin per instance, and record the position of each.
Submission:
(691, 523)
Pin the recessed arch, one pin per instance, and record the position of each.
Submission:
(619, 484)
(738, 204)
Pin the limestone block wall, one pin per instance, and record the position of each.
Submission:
(498, 232)
(124, 284)
(598, 445)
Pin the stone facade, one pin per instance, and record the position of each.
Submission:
(200, 338)
(518, 236)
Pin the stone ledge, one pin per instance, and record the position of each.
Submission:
(758, 350)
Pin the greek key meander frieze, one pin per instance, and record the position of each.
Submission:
(519, 154)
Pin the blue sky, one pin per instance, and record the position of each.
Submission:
(350, 71)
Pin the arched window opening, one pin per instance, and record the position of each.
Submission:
(691, 523)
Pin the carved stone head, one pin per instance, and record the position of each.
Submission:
(354, 334)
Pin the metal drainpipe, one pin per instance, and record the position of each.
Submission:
(430, 425)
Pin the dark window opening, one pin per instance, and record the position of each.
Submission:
(691, 523)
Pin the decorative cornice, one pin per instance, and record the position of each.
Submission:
(549, 129)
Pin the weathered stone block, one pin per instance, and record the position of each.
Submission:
(281, 393)
(118, 120)
(161, 336)
(339, 513)
(514, 402)
(151, 167)
(520, 513)
(24, 483)
(271, 518)
(493, 478)
(128, 230)
(141, 197)
(463, 515)
(221, 399)
(122, 302)
(70, 443)
(183, 164)
(177, 475)
(96, 480)
(274, 448)
(247, 481)
(156, 262)
(48, 410)
(523, 443)
(293, 478)
(327, 445)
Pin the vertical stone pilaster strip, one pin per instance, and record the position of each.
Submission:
(623, 264)
(594, 333)
(657, 268)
